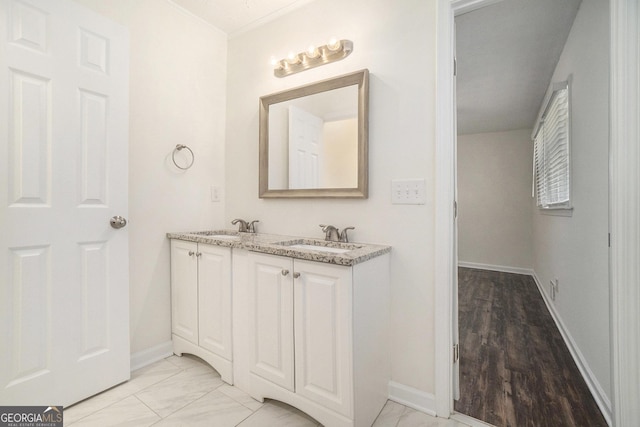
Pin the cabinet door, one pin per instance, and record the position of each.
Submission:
(323, 334)
(214, 299)
(271, 318)
(184, 290)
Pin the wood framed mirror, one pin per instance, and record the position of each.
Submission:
(314, 140)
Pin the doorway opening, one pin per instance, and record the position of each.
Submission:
(506, 245)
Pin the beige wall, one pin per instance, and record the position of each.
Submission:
(177, 96)
(574, 249)
(494, 199)
(386, 35)
(340, 145)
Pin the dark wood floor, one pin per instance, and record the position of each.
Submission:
(515, 369)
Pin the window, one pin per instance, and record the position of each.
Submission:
(551, 150)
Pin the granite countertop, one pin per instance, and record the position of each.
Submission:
(350, 253)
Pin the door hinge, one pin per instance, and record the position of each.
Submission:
(609, 239)
(455, 209)
(455, 66)
(456, 353)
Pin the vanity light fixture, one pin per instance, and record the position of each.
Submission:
(333, 51)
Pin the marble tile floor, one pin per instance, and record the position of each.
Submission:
(185, 391)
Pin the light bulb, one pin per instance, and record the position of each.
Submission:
(292, 58)
(313, 52)
(334, 44)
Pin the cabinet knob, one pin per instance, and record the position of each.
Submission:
(198, 254)
(296, 275)
(285, 272)
(191, 253)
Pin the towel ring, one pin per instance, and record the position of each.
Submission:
(179, 147)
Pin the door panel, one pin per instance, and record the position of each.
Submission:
(95, 299)
(30, 144)
(271, 318)
(214, 299)
(93, 144)
(184, 290)
(28, 291)
(323, 328)
(63, 162)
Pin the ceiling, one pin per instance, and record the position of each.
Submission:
(235, 16)
(507, 53)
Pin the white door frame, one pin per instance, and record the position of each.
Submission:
(624, 206)
(445, 269)
(624, 194)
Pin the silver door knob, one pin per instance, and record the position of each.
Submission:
(285, 272)
(118, 222)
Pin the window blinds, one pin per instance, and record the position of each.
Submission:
(551, 153)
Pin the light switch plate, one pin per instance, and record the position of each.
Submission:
(408, 191)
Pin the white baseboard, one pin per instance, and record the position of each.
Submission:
(469, 421)
(501, 268)
(150, 355)
(598, 393)
(413, 398)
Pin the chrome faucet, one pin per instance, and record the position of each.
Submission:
(243, 227)
(331, 233)
(252, 226)
(343, 235)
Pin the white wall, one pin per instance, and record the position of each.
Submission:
(494, 199)
(177, 96)
(387, 36)
(574, 249)
(179, 75)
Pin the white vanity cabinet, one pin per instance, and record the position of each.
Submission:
(318, 336)
(201, 303)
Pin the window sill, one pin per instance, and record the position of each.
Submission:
(568, 212)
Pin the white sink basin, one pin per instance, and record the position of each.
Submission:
(320, 248)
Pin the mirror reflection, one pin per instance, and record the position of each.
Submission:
(313, 139)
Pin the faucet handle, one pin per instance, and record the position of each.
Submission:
(331, 232)
(328, 229)
(252, 227)
(242, 225)
(343, 234)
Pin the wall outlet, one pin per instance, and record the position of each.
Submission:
(408, 191)
(216, 193)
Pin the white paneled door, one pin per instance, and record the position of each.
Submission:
(305, 141)
(64, 297)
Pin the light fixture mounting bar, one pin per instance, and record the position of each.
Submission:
(314, 57)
